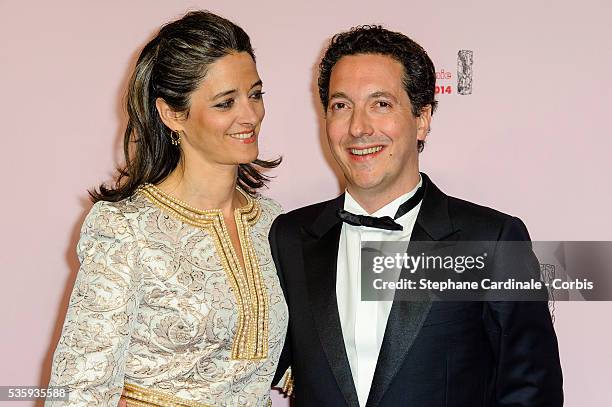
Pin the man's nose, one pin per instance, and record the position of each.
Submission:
(360, 123)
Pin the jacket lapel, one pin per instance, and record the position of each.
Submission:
(406, 318)
(320, 246)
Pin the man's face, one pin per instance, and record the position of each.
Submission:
(370, 126)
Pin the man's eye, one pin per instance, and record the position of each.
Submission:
(226, 104)
(338, 105)
(382, 103)
(257, 95)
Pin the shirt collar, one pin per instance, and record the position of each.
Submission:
(351, 205)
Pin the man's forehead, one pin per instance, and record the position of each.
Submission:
(369, 62)
(367, 68)
(366, 80)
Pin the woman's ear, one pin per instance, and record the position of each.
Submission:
(171, 118)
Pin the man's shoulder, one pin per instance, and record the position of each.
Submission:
(469, 216)
(462, 208)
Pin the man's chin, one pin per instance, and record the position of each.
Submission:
(366, 185)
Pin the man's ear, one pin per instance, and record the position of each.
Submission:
(172, 119)
(423, 122)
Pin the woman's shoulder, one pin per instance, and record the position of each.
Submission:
(111, 218)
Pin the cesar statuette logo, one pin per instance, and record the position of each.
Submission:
(465, 76)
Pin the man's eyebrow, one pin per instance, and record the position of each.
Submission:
(382, 93)
(339, 95)
(229, 92)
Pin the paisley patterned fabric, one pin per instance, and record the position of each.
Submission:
(154, 306)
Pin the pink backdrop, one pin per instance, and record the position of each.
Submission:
(532, 140)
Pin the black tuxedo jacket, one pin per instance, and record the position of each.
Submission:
(434, 354)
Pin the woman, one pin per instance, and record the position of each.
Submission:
(177, 301)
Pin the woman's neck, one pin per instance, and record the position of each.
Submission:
(205, 187)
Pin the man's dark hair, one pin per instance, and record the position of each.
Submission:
(419, 72)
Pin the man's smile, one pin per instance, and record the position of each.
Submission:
(365, 153)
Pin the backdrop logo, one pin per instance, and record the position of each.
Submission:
(465, 73)
(441, 87)
(465, 61)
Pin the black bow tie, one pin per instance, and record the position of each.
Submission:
(384, 222)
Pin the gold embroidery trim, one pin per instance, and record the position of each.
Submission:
(288, 383)
(142, 397)
(251, 340)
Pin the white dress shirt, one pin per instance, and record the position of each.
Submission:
(364, 322)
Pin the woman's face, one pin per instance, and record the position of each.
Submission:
(225, 115)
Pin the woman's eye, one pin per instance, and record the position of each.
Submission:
(226, 104)
(258, 95)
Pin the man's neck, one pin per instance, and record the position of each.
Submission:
(373, 199)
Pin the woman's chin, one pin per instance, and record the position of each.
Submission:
(248, 158)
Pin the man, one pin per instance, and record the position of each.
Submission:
(377, 90)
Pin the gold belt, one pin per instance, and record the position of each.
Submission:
(136, 396)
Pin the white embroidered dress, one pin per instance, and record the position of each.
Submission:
(163, 311)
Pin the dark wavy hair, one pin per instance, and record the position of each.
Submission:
(171, 66)
(419, 73)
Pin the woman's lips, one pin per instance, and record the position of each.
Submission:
(247, 137)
